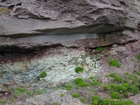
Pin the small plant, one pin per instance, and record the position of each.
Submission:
(137, 72)
(55, 103)
(116, 77)
(30, 92)
(2, 102)
(37, 92)
(107, 87)
(68, 86)
(114, 62)
(82, 99)
(43, 74)
(95, 100)
(126, 94)
(138, 56)
(62, 95)
(94, 81)
(132, 59)
(79, 69)
(133, 89)
(100, 48)
(75, 95)
(115, 95)
(18, 91)
(80, 82)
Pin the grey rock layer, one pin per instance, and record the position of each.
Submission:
(68, 23)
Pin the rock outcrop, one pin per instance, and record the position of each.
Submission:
(88, 23)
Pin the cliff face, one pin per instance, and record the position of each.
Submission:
(56, 36)
(34, 24)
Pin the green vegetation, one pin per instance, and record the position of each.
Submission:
(55, 103)
(76, 95)
(37, 92)
(114, 62)
(80, 82)
(100, 48)
(82, 99)
(43, 74)
(133, 89)
(94, 81)
(68, 86)
(79, 69)
(2, 102)
(19, 91)
(115, 95)
(116, 77)
(95, 100)
(138, 56)
(62, 95)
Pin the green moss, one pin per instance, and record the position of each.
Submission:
(115, 95)
(138, 56)
(37, 92)
(137, 72)
(75, 95)
(126, 102)
(95, 100)
(31, 92)
(68, 86)
(2, 102)
(106, 102)
(94, 81)
(100, 48)
(43, 74)
(19, 91)
(116, 77)
(55, 103)
(79, 69)
(80, 82)
(107, 87)
(132, 59)
(126, 94)
(133, 89)
(114, 62)
(82, 99)
(62, 95)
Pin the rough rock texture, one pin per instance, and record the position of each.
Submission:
(54, 36)
(86, 23)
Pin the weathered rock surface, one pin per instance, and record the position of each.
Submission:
(79, 23)
(52, 36)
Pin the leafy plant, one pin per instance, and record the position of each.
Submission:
(80, 82)
(82, 99)
(95, 100)
(114, 62)
(133, 89)
(94, 81)
(116, 77)
(115, 95)
(43, 74)
(107, 87)
(75, 95)
(79, 69)
(68, 86)
(18, 91)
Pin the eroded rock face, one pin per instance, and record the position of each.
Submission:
(67, 22)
